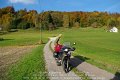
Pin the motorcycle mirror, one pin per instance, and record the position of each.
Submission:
(74, 43)
(74, 48)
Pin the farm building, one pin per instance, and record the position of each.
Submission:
(114, 29)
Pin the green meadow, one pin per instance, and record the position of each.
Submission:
(96, 46)
(30, 67)
(93, 45)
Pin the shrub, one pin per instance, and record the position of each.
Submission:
(23, 25)
(1, 39)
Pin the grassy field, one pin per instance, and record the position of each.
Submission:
(23, 37)
(96, 46)
(30, 67)
(20, 38)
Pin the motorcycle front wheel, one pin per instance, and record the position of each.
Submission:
(65, 65)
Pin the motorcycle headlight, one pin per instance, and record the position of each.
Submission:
(66, 50)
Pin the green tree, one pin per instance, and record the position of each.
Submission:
(111, 22)
(23, 25)
(47, 21)
(118, 19)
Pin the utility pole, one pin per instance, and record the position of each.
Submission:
(41, 41)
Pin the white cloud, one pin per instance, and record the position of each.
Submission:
(23, 1)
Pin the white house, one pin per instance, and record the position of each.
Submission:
(114, 29)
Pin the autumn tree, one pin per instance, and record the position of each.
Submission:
(50, 20)
(7, 19)
(57, 19)
(66, 20)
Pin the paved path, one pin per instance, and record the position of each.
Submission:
(92, 71)
(56, 72)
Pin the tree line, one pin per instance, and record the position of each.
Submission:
(50, 20)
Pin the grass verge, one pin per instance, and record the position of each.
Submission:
(30, 67)
(82, 75)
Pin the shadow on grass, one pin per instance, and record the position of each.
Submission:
(117, 76)
(3, 32)
(82, 58)
(77, 60)
(5, 39)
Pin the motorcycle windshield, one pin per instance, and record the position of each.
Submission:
(67, 44)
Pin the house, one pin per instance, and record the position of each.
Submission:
(114, 29)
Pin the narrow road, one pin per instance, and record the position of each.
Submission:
(92, 71)
(56, 72)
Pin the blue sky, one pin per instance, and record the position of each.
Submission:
(64, 5)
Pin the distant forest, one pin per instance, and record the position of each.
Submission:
(50, 20)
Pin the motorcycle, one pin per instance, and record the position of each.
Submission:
(67, 50)
(64, 56)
